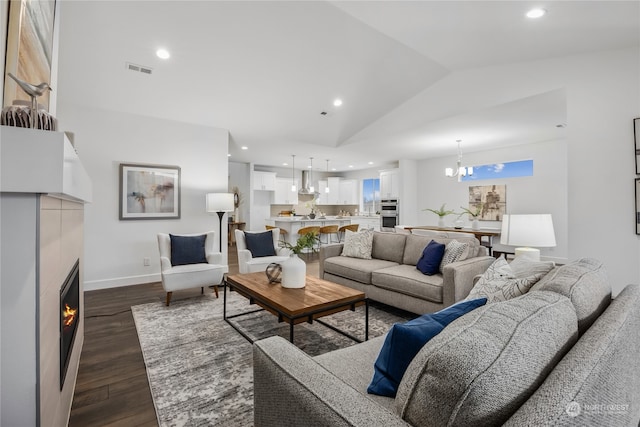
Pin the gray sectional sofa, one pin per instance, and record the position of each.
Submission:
(391, 276)
(562, 354)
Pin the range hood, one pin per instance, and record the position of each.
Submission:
(305, 194)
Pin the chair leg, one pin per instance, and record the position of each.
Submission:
(169, 298)
(215, 289)
(202, 291)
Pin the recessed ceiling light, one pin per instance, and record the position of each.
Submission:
(350, 166)
(536, 13)
(285, 164)
(337, 102)
(370, 163)
(333, 169)
(244, 147)
(163, 53)
(228, 155)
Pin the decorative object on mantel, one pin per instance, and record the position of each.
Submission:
(33, 91)
(492, 200)
(294, 269)
(273, 272)
(473, 211)
(19, 115)
(442, 212)
(460, 170)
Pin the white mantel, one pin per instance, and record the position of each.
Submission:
(38, 161)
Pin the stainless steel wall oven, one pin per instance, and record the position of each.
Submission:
(389, 214)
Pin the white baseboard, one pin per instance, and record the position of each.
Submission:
(93, 285)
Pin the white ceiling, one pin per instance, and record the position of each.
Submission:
(265, 70)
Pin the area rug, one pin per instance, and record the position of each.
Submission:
(200, 369)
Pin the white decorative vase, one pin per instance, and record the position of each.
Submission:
(294, 272)
(475, 224)
(441, 221)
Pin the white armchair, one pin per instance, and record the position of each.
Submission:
(186, 276)
(249, 264)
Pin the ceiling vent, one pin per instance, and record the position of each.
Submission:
(139, 68)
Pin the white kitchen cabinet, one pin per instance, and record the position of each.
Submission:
(264, 181)
(333, 198)
(348, 192)
(284, 195)
(323, 199)
(389, 184)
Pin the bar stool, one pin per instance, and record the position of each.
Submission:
(342, 230)
(283, 232)
(329, 230)
(311, 229)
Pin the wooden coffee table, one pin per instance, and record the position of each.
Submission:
(317, 299)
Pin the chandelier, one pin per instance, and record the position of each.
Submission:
(460, 170)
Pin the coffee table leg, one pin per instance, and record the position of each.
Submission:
(366, 319)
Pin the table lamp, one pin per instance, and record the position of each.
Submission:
(528, 232)
(220, 203)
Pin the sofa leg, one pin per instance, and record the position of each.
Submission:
(169, 298)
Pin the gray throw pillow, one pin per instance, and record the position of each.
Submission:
(454, 251)
(499, 283)
(358, 244)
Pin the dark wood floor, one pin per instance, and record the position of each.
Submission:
(112, 387)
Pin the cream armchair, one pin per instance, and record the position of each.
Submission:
(190, 273)
(247, 263)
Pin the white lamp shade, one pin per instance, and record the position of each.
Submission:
(220, 202)
(528, 230)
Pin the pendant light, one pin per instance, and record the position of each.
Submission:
(326, 189)
(293, 173)
(311, 187)
(460, 170)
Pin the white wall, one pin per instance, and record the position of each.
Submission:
(114, 249)
(545, 192)
(239, 177)
(409, 188)
(603, 96)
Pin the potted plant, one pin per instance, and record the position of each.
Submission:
(294, 270)
(474, 214)
(442, 212)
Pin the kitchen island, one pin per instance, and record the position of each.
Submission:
(294, 223)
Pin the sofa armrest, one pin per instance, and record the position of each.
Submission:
(214, 258)
(165, 263)
(458, 277)
(292, 389)
(328, 251)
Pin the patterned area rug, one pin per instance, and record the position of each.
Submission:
(200, 369)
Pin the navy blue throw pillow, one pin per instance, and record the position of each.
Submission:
(429, 262)
(405, 340)
(260, 244)
(187, 249)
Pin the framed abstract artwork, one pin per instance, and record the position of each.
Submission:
(29, 47)
(636, 140)
(491, 200)
(149, 191)
(638, 206)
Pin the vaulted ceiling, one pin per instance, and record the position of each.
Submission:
(266, 70)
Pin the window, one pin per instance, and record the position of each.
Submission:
(370, 196)
(501, 170)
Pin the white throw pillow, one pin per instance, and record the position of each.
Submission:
(499, 283)
(454, 251)
(358, 244)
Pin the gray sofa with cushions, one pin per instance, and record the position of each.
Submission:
(562, 354)
(391, 276)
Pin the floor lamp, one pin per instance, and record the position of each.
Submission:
(220, 203)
